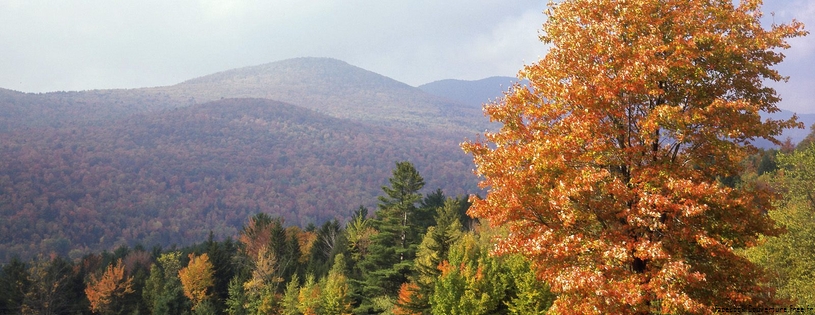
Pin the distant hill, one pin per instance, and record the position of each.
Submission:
(795, 134)
(325, 85)
(172, 177)
(472, 93)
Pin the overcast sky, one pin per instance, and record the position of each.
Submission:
(96, 44)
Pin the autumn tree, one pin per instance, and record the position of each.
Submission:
(309, 297)
(105, 291)
(197, 279)
(335, 297)
(607, 167)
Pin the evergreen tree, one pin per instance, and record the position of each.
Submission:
(237, 300)
(432, 252)
(330, 242)
(220, 255)
(289, 304)
(14, 283)
(389, 260)
(163, 292)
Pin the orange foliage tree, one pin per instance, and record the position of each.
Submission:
(104, 291)
(197, 278)
(608, 167)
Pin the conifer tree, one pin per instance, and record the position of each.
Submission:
(14, 283)
(389, 260)
(432, 252)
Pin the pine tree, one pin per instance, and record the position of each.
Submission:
(389, 260)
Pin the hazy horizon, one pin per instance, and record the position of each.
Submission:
(98, 44)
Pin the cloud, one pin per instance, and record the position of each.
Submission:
(74, 45)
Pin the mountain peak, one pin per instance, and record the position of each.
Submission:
(297, 71)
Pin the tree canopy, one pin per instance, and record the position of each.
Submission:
(608, 167)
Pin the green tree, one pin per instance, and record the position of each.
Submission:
(14, 283)
(335, 298)
(471, 282)
(220, 255)
(431, 253)
(163, 292)
(526, 293)
(791, 256)
(389, 260)
(291, 298)
(237, 300)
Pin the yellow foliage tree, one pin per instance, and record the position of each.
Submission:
(103, 292)
(197, 278)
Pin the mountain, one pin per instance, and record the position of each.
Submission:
(472, 93)
(307, 139)
(174, 176)
(325, 85)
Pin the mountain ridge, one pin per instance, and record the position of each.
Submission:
(327, 85)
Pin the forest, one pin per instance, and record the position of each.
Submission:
(176, 176)
(622, 177)
(416, 254)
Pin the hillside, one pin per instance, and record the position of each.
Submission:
(171, 177)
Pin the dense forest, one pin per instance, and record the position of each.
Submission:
(306, 139)
(624, 176)
(174, 177)
(415, 254)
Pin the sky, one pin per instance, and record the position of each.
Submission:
(64, 45)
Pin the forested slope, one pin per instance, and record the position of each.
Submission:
(171, 177)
